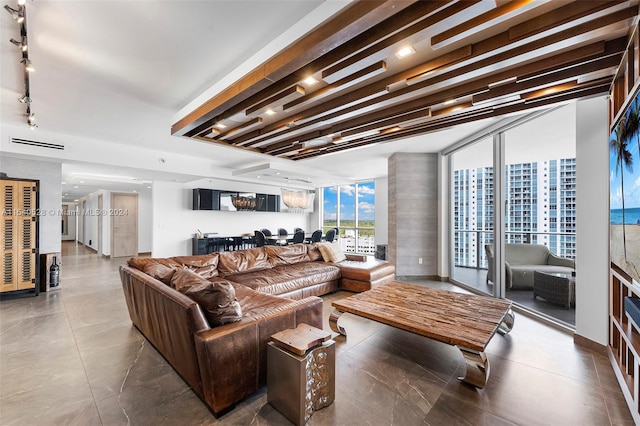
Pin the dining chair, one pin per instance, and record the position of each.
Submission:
(261, 240)
(298, 237)
(315, 237)
(331, 234)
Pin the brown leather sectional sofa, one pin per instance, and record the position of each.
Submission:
(276, 287)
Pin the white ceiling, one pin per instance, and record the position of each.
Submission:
(119, 71)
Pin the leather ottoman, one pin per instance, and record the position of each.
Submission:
(361, 276)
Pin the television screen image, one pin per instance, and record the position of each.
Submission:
(624, 204)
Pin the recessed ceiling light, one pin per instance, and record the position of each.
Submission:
(269, 112)
(405, 51)
(449, 102)
(75, 187)
(220, 125)
(310, 81)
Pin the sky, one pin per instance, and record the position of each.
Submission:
(631, 180)
(366, 201)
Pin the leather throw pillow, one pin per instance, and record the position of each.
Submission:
(160, 272)
(217, 299)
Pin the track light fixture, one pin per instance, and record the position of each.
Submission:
(17, 14)
(20, 16)
(27, 65)
(21, 44)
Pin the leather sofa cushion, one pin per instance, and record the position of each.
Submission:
(286, 278)
(159, 271)
(140, 262)
(232, 262)
(204, 265)
(287, 255)
(255, 304)
(216, 298)
(331, 252)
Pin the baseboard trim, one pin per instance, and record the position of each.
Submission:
(589, 344)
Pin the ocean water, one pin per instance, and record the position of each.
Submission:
(631, 216)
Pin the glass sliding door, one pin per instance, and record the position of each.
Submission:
(472, 214)
(529, 207)
(540, 218)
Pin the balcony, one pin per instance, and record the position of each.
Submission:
(470, 267)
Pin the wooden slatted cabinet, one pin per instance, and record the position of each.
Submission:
(18, 229)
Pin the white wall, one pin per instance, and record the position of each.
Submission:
(145, 222)
(50, 197)
(592, 219)
(175, 223)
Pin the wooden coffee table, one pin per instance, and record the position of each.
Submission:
(462, 320)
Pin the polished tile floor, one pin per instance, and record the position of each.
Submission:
(72, 357)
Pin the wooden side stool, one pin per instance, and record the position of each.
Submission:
(300, 372)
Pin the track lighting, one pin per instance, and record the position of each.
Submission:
(21, 44)
(27, 65)
(18, 14)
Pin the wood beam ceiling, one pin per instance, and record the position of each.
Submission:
(471, 61)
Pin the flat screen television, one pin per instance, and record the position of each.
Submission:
(624, 195)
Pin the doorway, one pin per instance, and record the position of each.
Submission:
(124, 224)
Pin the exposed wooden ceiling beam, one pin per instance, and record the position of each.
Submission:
(445, 59)
(517, 55)
(505, 9)
(354, 20)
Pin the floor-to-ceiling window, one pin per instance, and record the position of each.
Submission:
(472, 218)
(537, 157)
(540, 206)
(350, 209)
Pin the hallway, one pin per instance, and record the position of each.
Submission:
(72, 357)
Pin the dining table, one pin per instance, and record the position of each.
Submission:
(284, 239)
